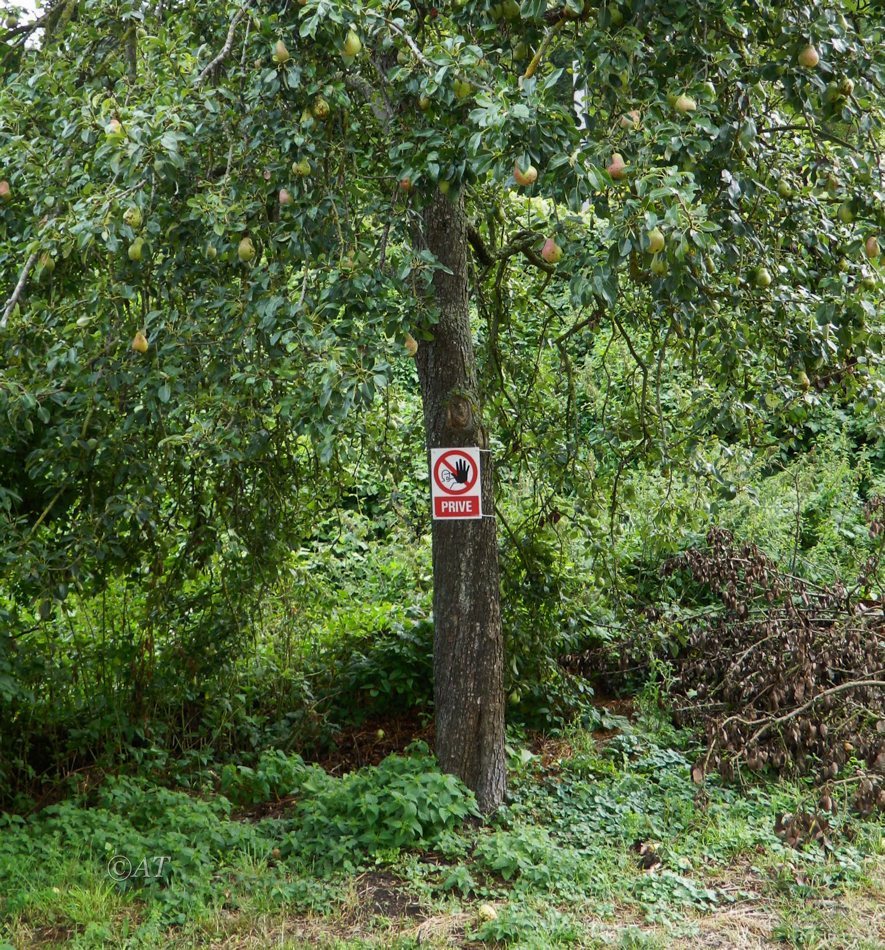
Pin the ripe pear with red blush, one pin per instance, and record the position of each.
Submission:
(527, 177)
(551, 252)
(616, 167)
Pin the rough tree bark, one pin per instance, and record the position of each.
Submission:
(468, 656)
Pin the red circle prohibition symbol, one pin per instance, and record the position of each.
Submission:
(456, 488)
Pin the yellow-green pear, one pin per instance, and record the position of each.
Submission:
(280, 53)
(140, 342)
(462, 88)
(659, 265)
(685, 103)
(655, 241)
(246, 250)
(321, 108)
(762, 277)
(352, 45)
(809, 57)
(132, 217)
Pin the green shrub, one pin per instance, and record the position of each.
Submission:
(403, 802)
(275, 775)
(175, 850)
(390, 671)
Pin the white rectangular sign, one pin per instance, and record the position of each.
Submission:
(455, 483)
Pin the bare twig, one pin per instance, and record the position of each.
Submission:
(639, 360)
(46, 511)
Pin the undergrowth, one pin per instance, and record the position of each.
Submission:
(586, 832)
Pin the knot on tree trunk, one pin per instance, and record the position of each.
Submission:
(459, 413)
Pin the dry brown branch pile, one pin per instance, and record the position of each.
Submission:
(787, 676)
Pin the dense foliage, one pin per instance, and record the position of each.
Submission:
(222, 538)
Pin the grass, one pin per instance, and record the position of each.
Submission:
(608, 846)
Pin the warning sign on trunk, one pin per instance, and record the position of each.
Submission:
(455, 485)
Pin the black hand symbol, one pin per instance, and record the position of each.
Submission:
(462, 470)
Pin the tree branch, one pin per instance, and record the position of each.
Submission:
(539, 55)
(479, 247)
(377, 103)
(592, 321)
(770, 723)
(639, 361)
(225, 50)
(413, 46)
(521, 244)
(19, 287)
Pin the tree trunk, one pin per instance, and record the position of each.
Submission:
(468, 654)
